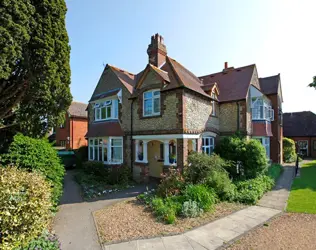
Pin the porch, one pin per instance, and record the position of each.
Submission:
(155, 154)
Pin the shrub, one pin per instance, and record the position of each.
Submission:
(25, 203)
(37, 155)
(46, 241)
(200, 166)
(81, 155)
(119, 175)
(248, 155)
(191, 209)
(97, 169)
(274, 171)
(166, 212)
(289, 154)
(250, 191)
(205, 197)
(172, 184)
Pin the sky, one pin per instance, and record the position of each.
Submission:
(277, 35)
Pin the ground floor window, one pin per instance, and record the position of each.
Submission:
(106, 149)
(265, 141)
(62, 143)
(208, 145)
(303, 147)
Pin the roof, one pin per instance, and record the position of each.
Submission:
(78, 109)
(128, 79)
(299, 124)
(270, 85)
(105, 94)
(233, 84)
(161, 73)
(108, 128)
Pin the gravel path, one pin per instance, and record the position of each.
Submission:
(74, 223)
(289, 231)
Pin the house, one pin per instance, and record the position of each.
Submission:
(71, 134)
(153, 119)
(301, 127)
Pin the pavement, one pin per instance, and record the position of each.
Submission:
(74, 224)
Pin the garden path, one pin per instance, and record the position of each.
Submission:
(74, 224)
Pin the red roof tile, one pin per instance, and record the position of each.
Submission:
(270, 85)
(108, 128)
(233, 84)
(127, 78)
(161, 72)
(78, 109)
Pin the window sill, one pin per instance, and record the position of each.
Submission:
(137, 161)
(151, 116)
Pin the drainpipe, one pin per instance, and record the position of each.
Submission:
(238, 117)
(132, 146)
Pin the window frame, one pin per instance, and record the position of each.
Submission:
(211, 145)
(264, 107)
(152, 102)
(213, 95)
(111, 104)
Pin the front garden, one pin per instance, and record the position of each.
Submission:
(208, 187)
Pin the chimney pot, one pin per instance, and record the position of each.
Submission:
(226, 65)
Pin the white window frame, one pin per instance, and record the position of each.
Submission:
(152, 102)
(213, 104)
(267, 110)
(265, 141)
(113, 103)
(210, 145)
(298, 144)
(109, 146)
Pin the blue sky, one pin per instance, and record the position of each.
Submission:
(278, 35)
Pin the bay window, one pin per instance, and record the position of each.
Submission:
(262, 110)
(151, 103)
(106, 110)
(265, 141)
(107, 149)
(208, 145)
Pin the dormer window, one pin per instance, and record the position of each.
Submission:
(151, 103)
(106, 110)
(213, 95)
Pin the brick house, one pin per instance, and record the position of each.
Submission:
(153, 119)
(71, 134)
(301, 127)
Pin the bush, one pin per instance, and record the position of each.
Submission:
(46, 241)
(191, 209)
(37, 155)
(200, 167)
(274, 171)
(205, 197)
(81, 155)
(25, 203)
(289, 154)
(248, 155)
(119, 175)
(166, 212)
(172, 184)
(97, 169)
(250, 191)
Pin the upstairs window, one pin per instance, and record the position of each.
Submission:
(262, 110)
(151, 103)
(106, 110)
(213, 104)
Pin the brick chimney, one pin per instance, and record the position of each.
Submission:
(226, 68)
(157, 51)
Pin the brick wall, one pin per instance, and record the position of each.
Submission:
(311, 151)
(63, 133)
(78, 130)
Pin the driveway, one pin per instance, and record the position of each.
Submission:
(74, 223)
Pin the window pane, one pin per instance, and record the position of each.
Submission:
(117, 142)
(148, 95)
(148, 107)
(97, 114)
(108, 112)
(105, 154)
(103, 113)
(90, 142)
(91, 153)
(95, 153)
(156, 105)
(96, 142)
(100, 153)
(207, 150)
(116, 154)
(157, 93)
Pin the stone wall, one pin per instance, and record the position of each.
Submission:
(228, 117)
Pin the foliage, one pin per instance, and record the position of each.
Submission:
(247, 157)
(250, 191)
(205, 197)
(289, 154)
(191, 209)
(164, 211)
(171, 184)
(274, 171)
(25, 203)
(119, 175)
(46, 241)
(37, 155)
(34, 65)
(313, 84)
(200, 167)
(147, 197)
(97, 169)
(81, 155)
(302, 197)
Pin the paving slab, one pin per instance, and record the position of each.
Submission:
(154, 244)
(177, 242)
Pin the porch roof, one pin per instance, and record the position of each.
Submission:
(166, 136)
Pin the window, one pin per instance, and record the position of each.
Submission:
(101, 150)
(172, 152)
(314, 145)
(62, 143)
(265, 141)
(117, 150)
(106, 110)
(208, 145)
(213, 104)
(151, 103)
(140, 152)
(303, 147)
(262, 110)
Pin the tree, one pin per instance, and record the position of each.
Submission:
(313, 84)
(34, 65)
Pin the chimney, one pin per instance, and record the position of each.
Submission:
(225, 65)
(157, 51)
(226, 68)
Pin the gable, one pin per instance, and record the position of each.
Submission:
(254, 79)
(150, 79)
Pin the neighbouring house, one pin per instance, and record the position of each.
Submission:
(151, 120)
(71, 134)
(301, 127)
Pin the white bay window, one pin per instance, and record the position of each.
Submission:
(208, 145)
(262, 110)
(151, 103)
(106, 110)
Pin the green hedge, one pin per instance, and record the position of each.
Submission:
(25, 203)
(289, 154)
(37, 155)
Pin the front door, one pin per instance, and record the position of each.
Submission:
(154, 162)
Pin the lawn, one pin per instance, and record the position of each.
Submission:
(303, 193)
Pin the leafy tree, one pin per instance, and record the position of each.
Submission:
(34, 65)
(313, 84)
